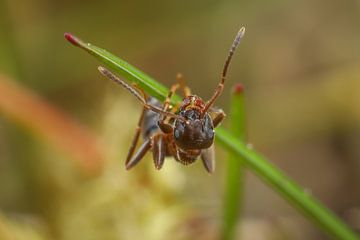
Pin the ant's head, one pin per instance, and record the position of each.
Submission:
(194, 130)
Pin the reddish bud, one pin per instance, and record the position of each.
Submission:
(238, 88)
(72, 39)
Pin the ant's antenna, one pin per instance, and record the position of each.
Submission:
(114, 78)
(220, 87)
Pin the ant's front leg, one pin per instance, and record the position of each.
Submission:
(135, 138)
(173, 89)
(131, 159)
(219, 116)
(186, 91)
(165, 127)
(139, 154)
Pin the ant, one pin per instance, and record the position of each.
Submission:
(185, 131)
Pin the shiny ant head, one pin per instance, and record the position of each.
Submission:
(194, 130)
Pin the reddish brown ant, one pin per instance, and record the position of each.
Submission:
(185, 134)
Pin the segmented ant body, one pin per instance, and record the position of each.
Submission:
(185, 132)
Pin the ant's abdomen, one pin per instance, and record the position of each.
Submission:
(150, 122)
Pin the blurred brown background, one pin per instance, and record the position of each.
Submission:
(299, 62)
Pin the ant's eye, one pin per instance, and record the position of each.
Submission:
(177, 134)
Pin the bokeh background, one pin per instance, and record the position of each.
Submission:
(65, 130)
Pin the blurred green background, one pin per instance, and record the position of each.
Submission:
(65, 130)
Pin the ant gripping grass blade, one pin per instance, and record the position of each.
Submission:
(187, 133)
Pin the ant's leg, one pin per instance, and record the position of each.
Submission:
(208, 158)
(165, 127)
(158, 149)
(136, 137)
(186, 90)
(139, 154)
(219, 117)
(173, 89)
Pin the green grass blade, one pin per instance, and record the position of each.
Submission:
(295, 195)
(131, 73)
(234, 185)
(288, 189)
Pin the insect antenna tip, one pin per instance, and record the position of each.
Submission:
(239, 35)
(242, 31)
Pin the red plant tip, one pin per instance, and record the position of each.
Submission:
(238, 88)
(72, 39)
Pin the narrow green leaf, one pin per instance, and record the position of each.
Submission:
(234, 185)
(295, 195)
(288, 189)
(131, 73)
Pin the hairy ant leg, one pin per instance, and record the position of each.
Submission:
(146, 146)
(137, 130)
(208, 158)
(135, 138)
(172, 90)
(157, 145)
(186, 91)
(165, 127)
